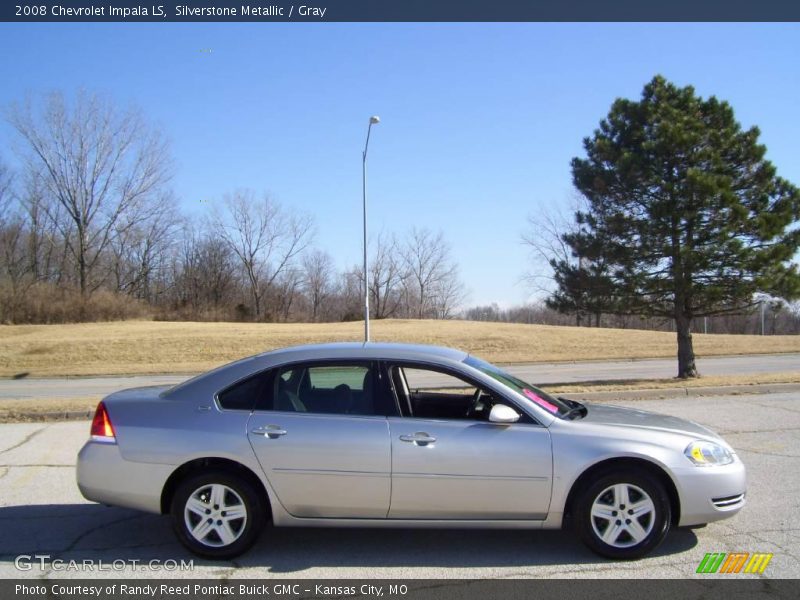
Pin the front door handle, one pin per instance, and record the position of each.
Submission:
(270, 431)
(420, 438)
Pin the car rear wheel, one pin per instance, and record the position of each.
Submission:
(623, 514)
(217, 515)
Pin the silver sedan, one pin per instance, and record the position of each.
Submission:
(393, 435)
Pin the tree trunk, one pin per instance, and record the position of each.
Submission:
(82, 266)
(686, 364)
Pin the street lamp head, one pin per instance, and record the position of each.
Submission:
(374, 120)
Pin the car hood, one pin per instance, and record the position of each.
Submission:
(629, 417)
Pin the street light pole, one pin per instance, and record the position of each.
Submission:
(374, 120)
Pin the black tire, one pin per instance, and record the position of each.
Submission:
(624, 546)
(240, 496)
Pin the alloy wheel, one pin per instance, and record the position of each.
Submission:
(623, 515)
(215, 515)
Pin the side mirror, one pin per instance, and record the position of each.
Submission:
(503, 414)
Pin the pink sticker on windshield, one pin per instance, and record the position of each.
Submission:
(540, 401)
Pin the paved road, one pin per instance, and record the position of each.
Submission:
(41, 511)
(540, 373)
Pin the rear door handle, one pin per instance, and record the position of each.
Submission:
(270, 431)
(420, 438)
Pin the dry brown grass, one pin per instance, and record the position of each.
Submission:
(618, 385)
(178, 347)
(45, 409)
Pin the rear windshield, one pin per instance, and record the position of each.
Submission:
(539, 397)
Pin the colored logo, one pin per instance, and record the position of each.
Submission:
(735, 562)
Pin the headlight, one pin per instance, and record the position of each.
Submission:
(706, 454)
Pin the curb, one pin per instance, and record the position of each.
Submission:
(685, 391)
(55, 416)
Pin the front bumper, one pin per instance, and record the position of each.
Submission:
(709, 494)
(104, 476)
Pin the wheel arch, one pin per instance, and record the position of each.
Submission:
(598, 469)
(200, 465)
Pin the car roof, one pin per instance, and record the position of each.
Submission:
(227, 374)
(374, 350)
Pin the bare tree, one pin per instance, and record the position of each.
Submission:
(45, 247)
(264, 237)
(13, 258)
(138, 250)
(284, 291)
(544, 238)
(216, 278)
(350, 292)
(14, 265)
(429, 270)
(204, 275)
(101, 165)
(8, 205)
(556, 266)
(6, 181)
(387, 275)
(318, 274)
(447, 294)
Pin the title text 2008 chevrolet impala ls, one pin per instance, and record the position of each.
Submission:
(399, 435)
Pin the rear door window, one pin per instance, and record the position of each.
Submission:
(327, 388)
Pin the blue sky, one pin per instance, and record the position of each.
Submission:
(479, 121)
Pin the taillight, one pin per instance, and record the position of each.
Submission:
(102, 429)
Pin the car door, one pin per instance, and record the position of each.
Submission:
(463, 467)
(322, 438)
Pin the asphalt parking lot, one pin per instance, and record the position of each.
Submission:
(42, 512)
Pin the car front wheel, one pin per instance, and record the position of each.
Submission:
(624, 514)
(217, 515)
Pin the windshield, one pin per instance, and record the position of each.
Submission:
(539, 397)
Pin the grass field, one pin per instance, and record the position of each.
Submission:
(131, 347)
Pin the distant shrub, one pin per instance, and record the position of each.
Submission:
(48, 303)
(186, 313)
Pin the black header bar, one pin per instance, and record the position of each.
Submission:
(317, 11)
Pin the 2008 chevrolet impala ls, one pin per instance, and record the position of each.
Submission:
(392, 435)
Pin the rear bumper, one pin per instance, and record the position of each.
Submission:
(104, 476)
(709, 494)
